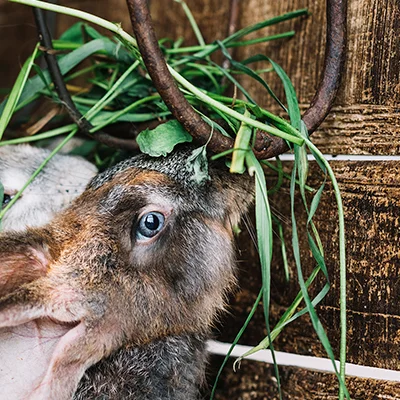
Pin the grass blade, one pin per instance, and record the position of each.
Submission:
(265, 242)
(237, 338)
(192, 21)
(13, 98)
(248, 71)
(241, 147)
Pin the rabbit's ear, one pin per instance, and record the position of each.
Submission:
(43, 339)
(23, 260)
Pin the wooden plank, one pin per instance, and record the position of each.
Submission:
(211, 16)
(366, 117)
(371, 197)
(17, 40)
(256, 380)
(115, 10)
(358, 129)
(372, 68)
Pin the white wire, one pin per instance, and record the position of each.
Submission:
(306, 362)
(345, 157)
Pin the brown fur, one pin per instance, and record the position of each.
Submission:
(121, 292)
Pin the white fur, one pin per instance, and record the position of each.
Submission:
(62, 179)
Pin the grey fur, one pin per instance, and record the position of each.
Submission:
(168, 369)
(174, 166)
(146, 310)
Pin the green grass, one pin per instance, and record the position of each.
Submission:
(117, 90)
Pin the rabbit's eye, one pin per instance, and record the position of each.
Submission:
(149, 225)
(6, 199)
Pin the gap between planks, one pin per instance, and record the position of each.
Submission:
(307, 362)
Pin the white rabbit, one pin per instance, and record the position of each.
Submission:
(61, 180)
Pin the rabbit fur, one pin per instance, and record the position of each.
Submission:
(62, 179)
(97, 311)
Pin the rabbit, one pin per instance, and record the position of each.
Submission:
(62, 179)
(116, 296)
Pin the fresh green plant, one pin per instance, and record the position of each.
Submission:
(118, 89)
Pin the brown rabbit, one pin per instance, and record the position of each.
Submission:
(115, 297)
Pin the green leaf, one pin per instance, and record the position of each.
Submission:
(129, 117)
(161, 140)
(192, 22)
(237, 338)
(283, 245)
(241, 147)
(310, 307)
(248, 71)
(264, 242)
(71, 60)
(249, 29)
(92, 32)
(73, 34)
(272, 21)
(291, 98)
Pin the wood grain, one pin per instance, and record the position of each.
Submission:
(371, 197)
(364, 120)
(17, 40)
(256, 381)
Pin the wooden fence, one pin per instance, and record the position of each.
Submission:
(365, 121)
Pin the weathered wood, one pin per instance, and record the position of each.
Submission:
(371, 197)
(360, 129)
(17, 40)
(371, 84)
(365, 120)
(256, 380)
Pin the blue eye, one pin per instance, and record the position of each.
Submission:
(149, 225)
(6, 199)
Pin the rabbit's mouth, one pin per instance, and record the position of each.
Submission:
(28, 351)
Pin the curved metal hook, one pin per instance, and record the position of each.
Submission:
(335, 56)
(164, 82)
(266, 146)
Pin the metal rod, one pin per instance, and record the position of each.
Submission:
(266, 146)
(165, 83)
(335, 56)
(65, 98)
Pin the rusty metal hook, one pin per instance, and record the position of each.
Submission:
(165, 84)
(335, 56)
(266, 146)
